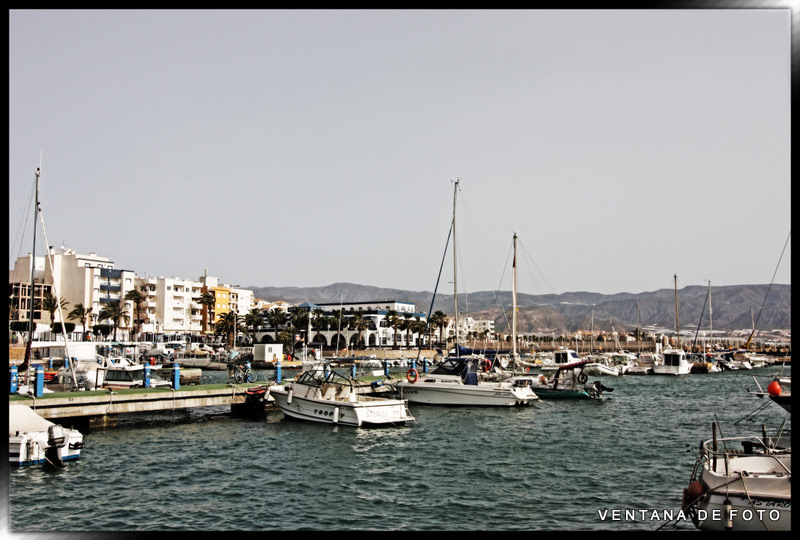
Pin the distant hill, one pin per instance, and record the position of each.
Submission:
(569, 312)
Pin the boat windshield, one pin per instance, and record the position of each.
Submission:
(318, 378)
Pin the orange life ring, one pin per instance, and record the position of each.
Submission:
(412, 375)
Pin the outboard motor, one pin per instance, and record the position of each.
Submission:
(56, 440)
(596, 388)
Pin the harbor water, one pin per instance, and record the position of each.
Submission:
(619, 463)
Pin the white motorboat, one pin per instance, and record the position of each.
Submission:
(645, 364)
(741, 484)
(623, 361)
(127, 375)
(674, 363)
(33, 440)
(331, 398)
(108, 372)
(455, 382)
(740, 359)
(560, 357)
(600, 364)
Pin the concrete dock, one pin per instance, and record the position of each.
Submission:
(98, 408)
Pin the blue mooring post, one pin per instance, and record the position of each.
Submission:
(38, 389)
(278, 371)
(51, 362)
(66, 362)
(413, 363)
(386, 367)
(14, 379)
(176, 376)
(424, 365)
(353, 371)
(146, 378)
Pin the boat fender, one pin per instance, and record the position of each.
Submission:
(412, 375)
(692, 493)
(582, 377)
(289, 395)
(336, 415)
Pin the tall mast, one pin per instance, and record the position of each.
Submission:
(638, 331)
(514, 300)
(710, 315)
(455, 263)
(33, 265)
(677, 318)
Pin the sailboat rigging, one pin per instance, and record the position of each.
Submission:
(455, 381)
(26, 363)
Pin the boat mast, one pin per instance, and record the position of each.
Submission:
(677, 318)
(28, 345)
(514, 301)
(455, 264)
(710, 316)
(638, 333)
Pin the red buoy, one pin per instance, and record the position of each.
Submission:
(774, 388)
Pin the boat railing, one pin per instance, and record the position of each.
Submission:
(716, 451)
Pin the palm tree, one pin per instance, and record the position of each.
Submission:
(50, 304)
(230, 324)
(393, 320)
(359, 323)
(137, 298)
(82, 314)
(115, 312)
(276, 318)
(254, 319)
(318, 320)
(439, 320)
(418, 327)
(299, 322)
(207, 299)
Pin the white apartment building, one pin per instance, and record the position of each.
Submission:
(468, 326)
(170, 305)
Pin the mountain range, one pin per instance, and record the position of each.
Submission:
(733, 307)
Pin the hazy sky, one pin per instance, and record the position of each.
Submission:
(304, 148)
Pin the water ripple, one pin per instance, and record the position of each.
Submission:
(554, 466)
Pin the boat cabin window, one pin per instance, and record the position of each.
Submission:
(124, 375)
(672, 359)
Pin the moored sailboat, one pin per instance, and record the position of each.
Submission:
(455, 381)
